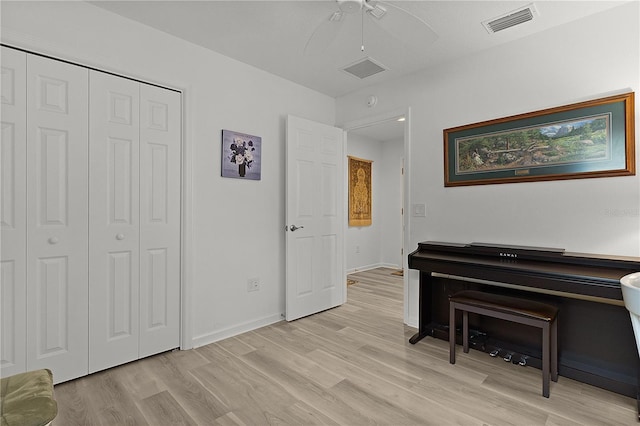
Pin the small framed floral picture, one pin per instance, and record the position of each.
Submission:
(241, 155)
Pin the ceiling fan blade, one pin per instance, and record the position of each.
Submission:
(325, 34)
(405, 26)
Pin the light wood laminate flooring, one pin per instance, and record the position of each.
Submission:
(351, 365)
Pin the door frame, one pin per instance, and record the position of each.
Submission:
(406, 225)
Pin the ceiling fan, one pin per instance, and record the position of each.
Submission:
(397, 22)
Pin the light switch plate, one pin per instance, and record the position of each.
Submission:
(419, 210)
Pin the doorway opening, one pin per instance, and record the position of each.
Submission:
(384, 139)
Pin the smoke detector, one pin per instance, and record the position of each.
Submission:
(350, 6)
(511, 19)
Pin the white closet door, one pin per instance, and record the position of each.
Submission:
(13, 226)
(159, 220)
(57, 217)
(114, 221)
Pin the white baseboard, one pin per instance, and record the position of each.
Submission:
(412, 322)
(374, 266)
(225, 333)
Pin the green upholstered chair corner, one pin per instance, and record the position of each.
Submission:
(27, 399)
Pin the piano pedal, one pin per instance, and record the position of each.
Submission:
(494, 353)
(508, 356)
(523, 361)
(478, 339)
(476, 334)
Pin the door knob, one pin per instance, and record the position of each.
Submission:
(293, 227)
(120, 237)
(54, 240)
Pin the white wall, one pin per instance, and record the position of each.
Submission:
(378, 245)
(593, 57)
(236, 226)
(362, 243)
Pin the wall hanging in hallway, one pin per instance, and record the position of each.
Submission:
(359, 192)
(241, 155)
(584, 140)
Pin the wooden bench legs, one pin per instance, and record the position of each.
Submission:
(500, 308)
(549, 355)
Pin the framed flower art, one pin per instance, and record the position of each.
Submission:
(241, 155)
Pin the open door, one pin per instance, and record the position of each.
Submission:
(315, 274)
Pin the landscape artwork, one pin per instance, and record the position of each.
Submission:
(584, 139)
(589, 139)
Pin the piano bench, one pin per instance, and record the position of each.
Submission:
(513, 309)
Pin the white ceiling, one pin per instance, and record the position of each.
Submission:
(271, 35)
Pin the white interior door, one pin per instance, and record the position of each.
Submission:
(13, 226)
(159, 220)
(315, 209)
(114, 221)
(57, 197)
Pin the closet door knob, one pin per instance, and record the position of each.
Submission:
(120, 237)
(54, 240)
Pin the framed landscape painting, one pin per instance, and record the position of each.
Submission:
(584, 140)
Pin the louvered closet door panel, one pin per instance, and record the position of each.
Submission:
(159, 220)
(13, 205)
(114, 221)
(57, 104)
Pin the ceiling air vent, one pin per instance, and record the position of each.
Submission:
(511, 19)
(364, 68)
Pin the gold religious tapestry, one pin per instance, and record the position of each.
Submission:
(359, 192)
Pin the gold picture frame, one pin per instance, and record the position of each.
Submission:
(590, 139)
(359, 191)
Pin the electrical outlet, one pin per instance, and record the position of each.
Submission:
(253, 284)
(357, 249)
